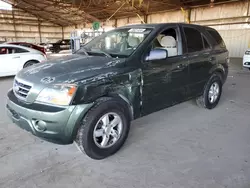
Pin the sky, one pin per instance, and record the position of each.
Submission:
(5, 6)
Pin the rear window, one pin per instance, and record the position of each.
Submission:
(219, 41)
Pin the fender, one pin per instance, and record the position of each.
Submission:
(219, 69)
(126, 86)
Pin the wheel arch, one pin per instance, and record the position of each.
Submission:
(120, 97)
(126, 102)
(219, 70)
(35, 60)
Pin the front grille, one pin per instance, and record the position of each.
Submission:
(21, 89)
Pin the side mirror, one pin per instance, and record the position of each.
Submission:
(157, 54)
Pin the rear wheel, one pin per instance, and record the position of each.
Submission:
(211, 94)
(104, 129)
(29, 63)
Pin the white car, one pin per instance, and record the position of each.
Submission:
(13, 58)
(246, 59)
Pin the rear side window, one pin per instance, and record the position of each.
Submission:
(10, 50)
(194, 40)
(205, 43)
(18, 50)
(219, 41)
(26, 45)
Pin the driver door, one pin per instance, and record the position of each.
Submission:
(165, 80)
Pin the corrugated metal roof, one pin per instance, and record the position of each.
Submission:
(72, 12)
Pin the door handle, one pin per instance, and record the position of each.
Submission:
(16, 57)
(212, 59)
(181, 66)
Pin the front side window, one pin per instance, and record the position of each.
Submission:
(167, 40)
(116, 43)
(10, 50)
(193, 39)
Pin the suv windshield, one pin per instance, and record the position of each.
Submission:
(116, 43)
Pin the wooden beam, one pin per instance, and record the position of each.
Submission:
(28, 11)
(54, 16)
(31, 32)
(18, 19)
(29, 37)
(79, 11)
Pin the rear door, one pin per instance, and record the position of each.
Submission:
(10, 61)
(200, 59)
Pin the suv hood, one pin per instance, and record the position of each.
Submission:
(71, 69)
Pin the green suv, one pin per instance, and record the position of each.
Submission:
(91, 96)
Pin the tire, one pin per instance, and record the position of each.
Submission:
(205, 101)
(29, 63)
(57, 50)
(85, 138)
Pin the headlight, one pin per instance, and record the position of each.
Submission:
(247, 52)
(59, 95)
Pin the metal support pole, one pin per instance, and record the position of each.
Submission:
(62, 32)
(14, 24)
(39, 30)
(145, 18)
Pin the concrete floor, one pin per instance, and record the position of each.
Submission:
(180, 147)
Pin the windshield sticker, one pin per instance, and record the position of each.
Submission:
(136, 30)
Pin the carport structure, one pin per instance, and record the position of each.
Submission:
(73, 12)
(180, 147)
(41, 21)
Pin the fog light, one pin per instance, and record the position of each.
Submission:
(40, 125)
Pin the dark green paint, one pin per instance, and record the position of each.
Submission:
(145, 87)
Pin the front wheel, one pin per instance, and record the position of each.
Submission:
(104, 129)
(211, 94)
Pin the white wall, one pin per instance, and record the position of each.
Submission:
(237, 41)
(236, 36)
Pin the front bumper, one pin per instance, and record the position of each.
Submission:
(55, 124)
(246, 61)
